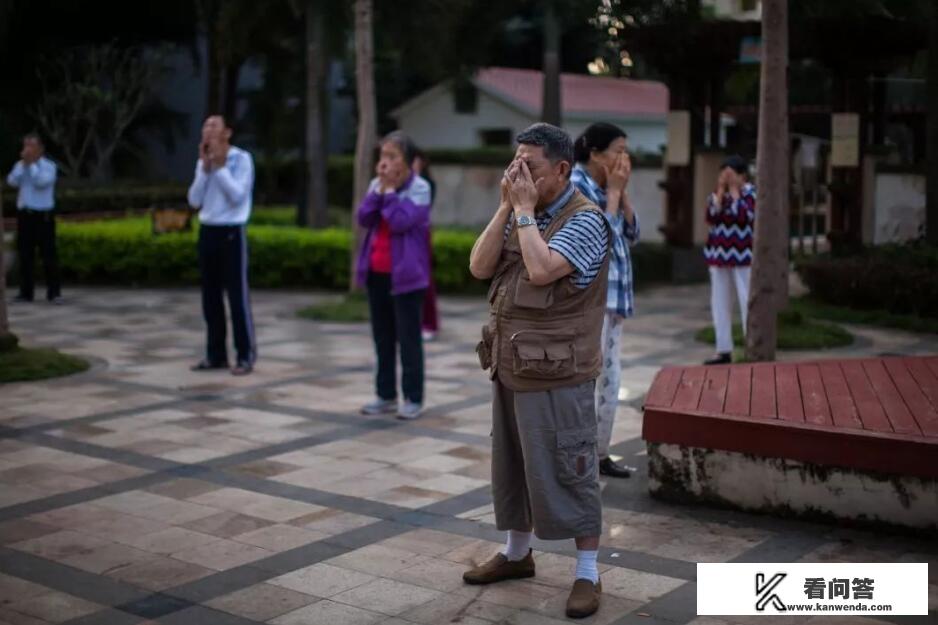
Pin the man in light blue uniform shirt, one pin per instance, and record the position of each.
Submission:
(34, 176)
(221, 191)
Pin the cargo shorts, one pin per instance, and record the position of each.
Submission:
(545, 473)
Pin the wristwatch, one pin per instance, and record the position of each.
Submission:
(525, 220)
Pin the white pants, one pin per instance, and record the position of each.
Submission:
(607, 386)
(722, 281)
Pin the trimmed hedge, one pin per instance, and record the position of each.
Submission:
(901, 279)
(107, 198)
(125, 252)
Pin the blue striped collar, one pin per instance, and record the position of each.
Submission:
(559, 202)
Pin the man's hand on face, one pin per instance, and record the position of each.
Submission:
(219, 154)
(524, 191)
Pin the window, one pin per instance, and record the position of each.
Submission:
(495, 136)
(465, 97)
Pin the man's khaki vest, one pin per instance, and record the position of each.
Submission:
(543, 337)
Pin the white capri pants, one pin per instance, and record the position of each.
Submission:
(722, 282)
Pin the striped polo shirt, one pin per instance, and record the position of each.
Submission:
(583, 240)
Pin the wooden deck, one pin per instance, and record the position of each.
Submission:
(876, 414)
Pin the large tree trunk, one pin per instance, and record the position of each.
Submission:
(551, 112)
(211, 10)
(7, 339)
(931, 145)
(767, 287)
(365, 92)
(317, 210)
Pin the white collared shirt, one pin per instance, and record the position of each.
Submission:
(224, 195)
(36, 184)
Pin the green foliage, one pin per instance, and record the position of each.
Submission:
(811, 307)
(108, 198)
(897, 279)
(21, 364)
(794, 332)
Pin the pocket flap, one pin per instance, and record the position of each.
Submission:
(529, 351)
(575, 438)
(558, 351)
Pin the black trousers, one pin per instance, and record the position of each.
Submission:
(223, 261)
(395, 320)
(37, 228)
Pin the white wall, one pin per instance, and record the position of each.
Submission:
(467, 195)
(899, 207)
(434, 123)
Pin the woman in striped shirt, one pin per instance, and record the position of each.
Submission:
(602, 174)
(731, 211)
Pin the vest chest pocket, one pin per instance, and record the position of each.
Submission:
(528, 295)
(576, 455)
(543, 356)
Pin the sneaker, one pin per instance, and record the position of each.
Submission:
(242, 368)
(584, 598)
(428, 336)
(409, 410)
(380, 406)
(57, 300)
(611, 468)
(720, 359)
(499, 568)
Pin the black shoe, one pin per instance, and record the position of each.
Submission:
(607, 466)
(22, 299)
(208, 365)
(57, 300)
(720, 359)
(242, 368)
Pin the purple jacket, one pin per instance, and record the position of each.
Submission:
(407, 212)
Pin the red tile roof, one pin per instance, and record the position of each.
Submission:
(580, 94)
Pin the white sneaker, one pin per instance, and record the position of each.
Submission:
(428, 336)
(409, 410)
(380, 406)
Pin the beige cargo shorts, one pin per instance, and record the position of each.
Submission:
(545, 473)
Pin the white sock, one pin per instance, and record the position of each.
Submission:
(586, 565)
(517, 546)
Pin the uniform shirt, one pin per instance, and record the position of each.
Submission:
(620, 298)
(223, 195)
(583, 240)
(36, 183)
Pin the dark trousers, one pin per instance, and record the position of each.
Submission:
(223, 261)
(37, 228)
(395, 320)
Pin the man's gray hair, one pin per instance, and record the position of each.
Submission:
(556, 143)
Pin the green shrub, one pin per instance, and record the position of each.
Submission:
(899, 279)
(107, 198)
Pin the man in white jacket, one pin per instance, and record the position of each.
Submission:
(34, 176)
(221, 191)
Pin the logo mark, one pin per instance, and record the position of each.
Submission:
(765, 594)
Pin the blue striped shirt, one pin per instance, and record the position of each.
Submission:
(583, 240)
(621, 296)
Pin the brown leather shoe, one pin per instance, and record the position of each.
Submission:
(500, 568)
(584, 598)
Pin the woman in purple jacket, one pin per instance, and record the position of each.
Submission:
(394, 266)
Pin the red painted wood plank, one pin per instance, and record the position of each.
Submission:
(713, 393)
(927, 381)
(843, 410)
(813, 396)
(925, 414)
(661, 393)
(763, 392)
(932, 362)
(788, 393)
(896, 411)
(738, 390)
(688, 391)
(871, 410)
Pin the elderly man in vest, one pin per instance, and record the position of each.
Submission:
(546, 251)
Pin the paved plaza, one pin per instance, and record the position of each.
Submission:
(140, 492)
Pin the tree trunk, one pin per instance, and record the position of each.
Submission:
(931, 146)
(317, 209)
(210, 10)
(229, 104)
(767, 286)
(365, 94)
(551, 112)
(7, 339)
